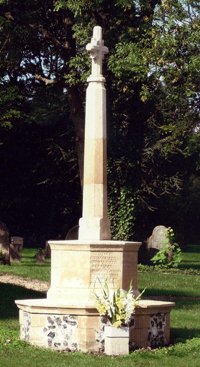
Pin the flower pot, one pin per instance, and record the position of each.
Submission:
(116, 340)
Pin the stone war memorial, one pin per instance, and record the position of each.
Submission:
(68, 319)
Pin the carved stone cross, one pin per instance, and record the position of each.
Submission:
(97, 51)
(95, 224)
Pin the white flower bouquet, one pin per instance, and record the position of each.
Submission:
(117, 305)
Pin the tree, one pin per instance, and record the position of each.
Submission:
(164, 63)
(38, 164)
(152, 85)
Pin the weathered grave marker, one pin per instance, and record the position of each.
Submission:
(16, 247)
(4, 244)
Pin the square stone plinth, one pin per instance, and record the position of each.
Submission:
(79, 267)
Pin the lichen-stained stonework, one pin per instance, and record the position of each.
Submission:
(26, 326)
(59, 332)
(100, 333)
(156, 334)
(131, 327)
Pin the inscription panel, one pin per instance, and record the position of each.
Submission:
(106, 266)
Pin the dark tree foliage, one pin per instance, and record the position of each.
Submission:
(152, 81)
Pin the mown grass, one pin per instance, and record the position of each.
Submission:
(191, 258)
(185, 281)
(170, 284)
(180, 356)
(184, 321)
(28, 267)
(185, 326)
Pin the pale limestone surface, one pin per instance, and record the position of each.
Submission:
(95, 224)
(80, 267)
(97, 51)
(116, 340)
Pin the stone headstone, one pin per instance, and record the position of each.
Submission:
(47, 250)
(158, 239)
(72, 234)
(4, 244)
(152, 245)
(40, 256)
(16, 247)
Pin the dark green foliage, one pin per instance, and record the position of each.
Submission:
(38, 184)
(122, 213)
(153, 110)
(39, 188)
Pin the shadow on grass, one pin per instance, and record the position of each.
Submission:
(185, 314)
(188, 305)
(192, 248)
(181, 335)
(170, 293)
(9, 293)
(42, 265)
(190, 265)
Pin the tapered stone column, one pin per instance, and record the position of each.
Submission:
(94, 224)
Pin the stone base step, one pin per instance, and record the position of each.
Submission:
(66, 327)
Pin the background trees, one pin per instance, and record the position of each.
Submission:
(153, 112)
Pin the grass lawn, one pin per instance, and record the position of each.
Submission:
(185, 325)
(191, 258)
(184, 281)
(28, 267)
(170, 284)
